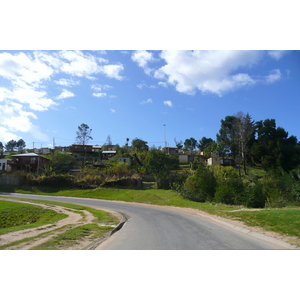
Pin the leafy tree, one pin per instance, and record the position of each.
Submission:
(204, 143)
(211, 148)
(20, 144)
(83, 134)
(60, 159)
(226, 137)
(201, 186)
(139, 145)
(160, 164)
(190, 144)
(273, 148)
(11, 145)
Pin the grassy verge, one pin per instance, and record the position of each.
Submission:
(284, 221)
(72, 237)
(18, 216)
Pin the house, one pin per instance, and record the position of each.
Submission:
(63, 148)
(108, 154)
(42, 151)
(4, 166)
(28, 162)
(81, 149)
(170, 150)
(186, 157)
(215, 160)
(126, 160)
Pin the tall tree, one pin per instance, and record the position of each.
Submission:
(21, 145)
(1, 149)
(139, 145)
(226, 137)
(204, 142)
(190, 144)
(83, 134)
(244, 132)
(11, 145)
(274, 148)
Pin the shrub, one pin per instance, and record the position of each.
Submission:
(201, 186)
(225, 194)
(254, 196)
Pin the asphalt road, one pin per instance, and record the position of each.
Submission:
(151, 228)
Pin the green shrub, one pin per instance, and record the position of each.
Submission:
(201, 186)
(255, 197)
(225, 194)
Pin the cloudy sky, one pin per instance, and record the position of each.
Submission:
(46, 95)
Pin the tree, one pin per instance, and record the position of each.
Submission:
(108, 141)
(139, 145)
(83, 134)
(204, 142)
(243, 128)
(226, 137)
(1, 149)
(11, 145)
(273, 148)
(61, 159)
(190, 144)
(179, 144)
(160, 164)
(21, 145)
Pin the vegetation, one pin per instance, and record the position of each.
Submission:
(17, 216)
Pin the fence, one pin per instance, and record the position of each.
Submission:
(11, 179)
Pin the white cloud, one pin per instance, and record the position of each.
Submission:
(29, 73)
(168, 103)
(100, 87)
(208, 71)
(112, 71)
(164, 84)
(65, 94)
(67, 82)
(99, 94)
(6, 136)
(113, 110)
(147, 101)
(277, 54)
(142, 58)
(274, 76)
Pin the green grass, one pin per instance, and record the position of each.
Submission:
(71, 237)
(17, 216)
(285, 221)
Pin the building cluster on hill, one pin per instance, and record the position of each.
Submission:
(36, 159)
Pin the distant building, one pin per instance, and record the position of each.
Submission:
(28, 162)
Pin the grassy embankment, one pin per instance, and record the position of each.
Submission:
(17, 216)
(285, 221)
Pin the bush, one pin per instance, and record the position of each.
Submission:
(225, 194)
(255, 197)
(201, 186)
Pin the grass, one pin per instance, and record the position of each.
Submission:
(284, 221)
(18, 216)
(72, 237)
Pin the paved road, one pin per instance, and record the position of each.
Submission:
(151, 228)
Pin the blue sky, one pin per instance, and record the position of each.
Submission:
(129, 94)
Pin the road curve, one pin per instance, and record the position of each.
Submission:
(153, 228)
